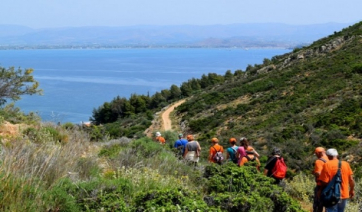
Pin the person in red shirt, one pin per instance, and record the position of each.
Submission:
(330, 169)
(322, 158)
(214, 149)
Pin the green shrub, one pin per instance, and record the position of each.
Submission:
(234, 188)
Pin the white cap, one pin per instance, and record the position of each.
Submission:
(332, 152)
(158, 134)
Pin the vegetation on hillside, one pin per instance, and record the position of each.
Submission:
(297, 101)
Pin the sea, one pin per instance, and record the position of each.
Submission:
(76, 81)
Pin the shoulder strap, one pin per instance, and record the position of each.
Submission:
(247, 157)
(322, 159)
(234, 149)
(215, 149)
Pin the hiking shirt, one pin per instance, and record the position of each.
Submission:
(192, 146)
(213, 149)
(232, 153)
(241, 152)
(330, 169)
(181, 142)
(318, 166)
(161, 139)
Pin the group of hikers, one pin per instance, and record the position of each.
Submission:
(333, 177)
(190, 149)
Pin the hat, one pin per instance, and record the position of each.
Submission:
(158, 134)
(319, 149)
(242, 138)
(332, 152)
(276, 151)
(214, 140)
(190, 137)
(180, 135)
(232, 140)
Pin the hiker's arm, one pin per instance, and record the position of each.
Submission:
(186, 151)
(351, 186)
(227, 155)
(256, 153)
(266, 172)
(198, 146)
(316, 176)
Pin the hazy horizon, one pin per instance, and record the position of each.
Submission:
(40, 14)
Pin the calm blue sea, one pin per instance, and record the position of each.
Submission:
(77, 81)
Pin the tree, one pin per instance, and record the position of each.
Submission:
(175, 92)
(14, 83)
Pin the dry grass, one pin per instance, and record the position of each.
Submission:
(28, 168)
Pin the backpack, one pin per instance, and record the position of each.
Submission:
(249, 159)
(235, 159)
(280, 169)
(218, 157)
(331, 194)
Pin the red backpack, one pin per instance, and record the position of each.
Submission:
(280, 169)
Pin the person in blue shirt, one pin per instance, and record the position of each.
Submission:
(180, 145)
(231, 152)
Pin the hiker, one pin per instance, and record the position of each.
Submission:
(322, 158)
(216, 152)
(192, 150)
(250, 156)
(231, 152)
(180, 144)
(160, 139)
(271, 164)
(347, 185)
(246, 144)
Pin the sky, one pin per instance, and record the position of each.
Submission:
(75, 13)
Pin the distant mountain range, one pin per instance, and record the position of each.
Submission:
(233, 35)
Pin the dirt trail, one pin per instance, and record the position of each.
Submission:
(165, 122)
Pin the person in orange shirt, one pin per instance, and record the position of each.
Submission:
(214, 149)
(250, 156)
(322, 158)
(160, 139)
(330, 169)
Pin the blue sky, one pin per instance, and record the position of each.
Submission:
(64, 13)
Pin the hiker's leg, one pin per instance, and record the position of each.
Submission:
(317, 204)
(342, 205)
(333, 208)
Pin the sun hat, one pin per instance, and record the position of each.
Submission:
(158, 134)
(214, 140)
(332, 152)
(319, 149)
(180, 135)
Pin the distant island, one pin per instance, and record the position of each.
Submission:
(268, 35)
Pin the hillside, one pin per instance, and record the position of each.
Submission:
(297, 101)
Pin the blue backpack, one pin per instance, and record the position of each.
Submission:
(331, 194)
